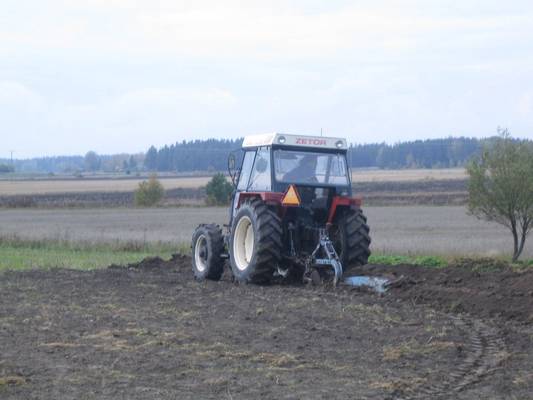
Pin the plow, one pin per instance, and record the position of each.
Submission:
(292, 214)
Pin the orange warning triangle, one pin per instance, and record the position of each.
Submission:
(291, 198)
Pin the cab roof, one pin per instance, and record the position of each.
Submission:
(284, 139)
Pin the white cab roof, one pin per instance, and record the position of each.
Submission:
(317, 142)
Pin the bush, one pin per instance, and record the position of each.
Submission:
(4, 168)
(218, 190)
(149, 192)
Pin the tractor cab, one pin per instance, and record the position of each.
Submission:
(292, 214)
(315, 167)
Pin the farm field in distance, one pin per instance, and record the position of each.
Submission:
(45, 185)
(443, 230)
(53, 186)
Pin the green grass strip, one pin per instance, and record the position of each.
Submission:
(20, 255)
(427, 261)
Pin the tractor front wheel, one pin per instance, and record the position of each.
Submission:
(207, 247)
(255, 242)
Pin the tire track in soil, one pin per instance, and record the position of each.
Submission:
(484, 353)
(485, 350)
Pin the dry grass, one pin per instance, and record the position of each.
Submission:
(402, 175)
(12, 380)
(25, 187)
(394, 353)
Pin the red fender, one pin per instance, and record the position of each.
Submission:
(275, 199)
(270, 198)
(343, 201)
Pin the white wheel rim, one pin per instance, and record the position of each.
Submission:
(243, 243)
(201, 246)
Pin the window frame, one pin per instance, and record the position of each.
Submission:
(270, 169)
(247, 183)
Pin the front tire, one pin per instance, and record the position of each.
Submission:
(351, 237)
(255, 243)
(207, 247)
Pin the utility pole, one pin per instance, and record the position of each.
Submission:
(11, 151)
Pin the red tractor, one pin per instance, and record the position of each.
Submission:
(292, 214)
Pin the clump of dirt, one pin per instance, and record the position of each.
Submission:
(155, 263)
(484, 289)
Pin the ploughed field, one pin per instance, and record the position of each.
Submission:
(150, 331)
(443, 230)
(379, 187)
(102, 183)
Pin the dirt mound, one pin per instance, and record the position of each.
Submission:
(156, 263)
(484, 288)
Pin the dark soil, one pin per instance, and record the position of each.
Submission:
(484, 288)
(432, 192)
(149, 331)
(93, 199)
(428, 192)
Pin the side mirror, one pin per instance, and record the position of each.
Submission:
(231, 169)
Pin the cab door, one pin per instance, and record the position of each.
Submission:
(244, 178)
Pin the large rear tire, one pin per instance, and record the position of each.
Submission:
(207, 247)
(351, 238)
(255, 243)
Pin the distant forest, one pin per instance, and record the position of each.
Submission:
(91, 162)
(212, 154)
(204, 155)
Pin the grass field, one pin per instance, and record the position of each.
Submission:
(50, 186)
(17, 254)
(48, 254)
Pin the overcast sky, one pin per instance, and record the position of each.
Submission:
(118, 76)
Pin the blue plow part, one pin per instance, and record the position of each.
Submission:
(374, 283)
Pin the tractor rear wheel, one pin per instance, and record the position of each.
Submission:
(207, 248)
(255, 242)
(351, 238)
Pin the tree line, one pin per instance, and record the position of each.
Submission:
(91, 162)
(212, 154)
(197, 155)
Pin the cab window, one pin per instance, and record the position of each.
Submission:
(309, 167)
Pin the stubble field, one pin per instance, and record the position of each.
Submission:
(10, 187)
(442, 230)
(54, 186)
